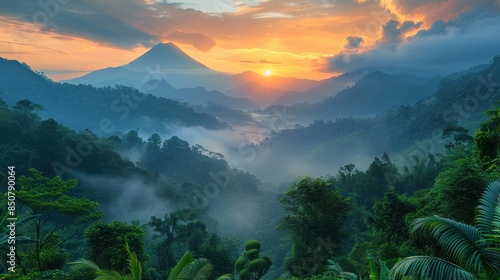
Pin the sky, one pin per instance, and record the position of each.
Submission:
(312, 39)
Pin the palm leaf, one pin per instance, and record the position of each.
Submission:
(199, 269)
(19, 240)
(225, 277)
(373, 268)
(460, 242)
(348, 276)
(83, 264)
(105, 274)
(185, 261)
(101, 274)
(134, 264)
(334, 266)
(488, 215)
(425, 267)
(383, 270)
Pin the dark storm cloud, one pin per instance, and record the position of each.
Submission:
(352, 42)
(445, 47)
(393, 31)
(102, 21)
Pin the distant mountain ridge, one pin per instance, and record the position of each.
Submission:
(373, 94)
(169, 63)
(84, 106)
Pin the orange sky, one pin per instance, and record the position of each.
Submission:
(69, 38)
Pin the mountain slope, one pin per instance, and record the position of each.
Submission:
(149, 73)
(324, 146)
(326, 88)
(373, 94)
(165, 56)
(100, 109)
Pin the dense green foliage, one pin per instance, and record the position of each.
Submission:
(317, 213)
(250, 266)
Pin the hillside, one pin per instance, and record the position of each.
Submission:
(101, 109)
(322, 147)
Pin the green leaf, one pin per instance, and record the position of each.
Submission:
(184, 261)
(134, 264)
(488, 214)
(373, 268)
(383, 270)
(425, 267)
(199, 269)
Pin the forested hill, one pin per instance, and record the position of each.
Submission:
(327, 144)
(100, 109)
(169, 171)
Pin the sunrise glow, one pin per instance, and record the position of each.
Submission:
(309, 41)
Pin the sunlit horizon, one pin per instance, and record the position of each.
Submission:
(312, 40)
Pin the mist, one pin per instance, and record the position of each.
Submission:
(127, 199)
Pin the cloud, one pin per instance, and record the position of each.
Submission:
(108, 22)
(262, 61)
(393, 31)
(197, 40)
(431, 10)
(272, 15)
(353, 42)
(446, 47)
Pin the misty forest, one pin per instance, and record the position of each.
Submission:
(164, 168)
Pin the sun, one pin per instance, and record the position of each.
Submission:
(268, 73)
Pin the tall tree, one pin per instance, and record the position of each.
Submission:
(25, 113)
(316, 214)
(109, 242)
(57, 212)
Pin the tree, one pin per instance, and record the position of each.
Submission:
(389, 216)
(169, 228)
(25, 113)
(107, 244)
(316, 214)
(56, 211)
(472, 252)
(458, 188)
(250, 266)
(346, 178)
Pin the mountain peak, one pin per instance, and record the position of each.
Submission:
(165, 56)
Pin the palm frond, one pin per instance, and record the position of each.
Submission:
(425, 267)
(83, 264)
(199, 269)
(186, 259)
(373, 268)
(225, 277)
(334, 266)
(348, 276)
(133, 264)
(488, 215)
(459, 241)
(383, 270)
(105, 274)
